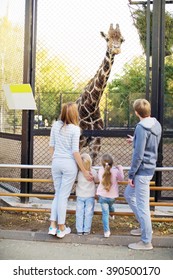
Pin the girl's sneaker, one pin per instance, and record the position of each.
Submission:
(79, 233)
(62, 233)
(86, 233)
(52, 231)
(107, 234)
(112, 217)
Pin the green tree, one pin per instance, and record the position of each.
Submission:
(168, 97)
(123, 90)
(53, 84)
(11, 68)
(140, 23)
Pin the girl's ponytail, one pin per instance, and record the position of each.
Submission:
(107, 163)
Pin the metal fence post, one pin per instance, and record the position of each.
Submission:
(28, 77)
(158, 45)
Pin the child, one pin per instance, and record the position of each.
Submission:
(85, 192)
(108, 188)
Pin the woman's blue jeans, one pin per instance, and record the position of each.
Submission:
(84, 213)
(64, 173)
(138, 200)
(107, 206)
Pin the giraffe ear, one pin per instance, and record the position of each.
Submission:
(104, 35)
(117, 26)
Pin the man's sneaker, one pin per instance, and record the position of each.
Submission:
(136, 232)
(62, 233)
(79, 233)
(107, 234)
(140, 246)
(52, 231)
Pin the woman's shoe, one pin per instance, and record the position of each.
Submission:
(62, 233)
(52, 231)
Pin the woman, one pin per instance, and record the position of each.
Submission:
(64, 147)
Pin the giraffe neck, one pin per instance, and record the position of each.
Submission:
(98, 83)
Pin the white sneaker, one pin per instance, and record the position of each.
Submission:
(112, 217)
(62, 233)
(52, 231)
(86, 233)
(107, 234)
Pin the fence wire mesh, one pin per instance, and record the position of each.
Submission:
(12, 16)
(69, 52)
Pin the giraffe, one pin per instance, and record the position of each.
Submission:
(88, 102)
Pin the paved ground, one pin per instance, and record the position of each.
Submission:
(23, 245)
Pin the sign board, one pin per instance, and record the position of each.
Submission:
(19, 97)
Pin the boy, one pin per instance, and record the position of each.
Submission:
(145, 150)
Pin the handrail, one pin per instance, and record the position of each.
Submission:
(26, 180)
(28, 166)
(50, 196)
(43, 210)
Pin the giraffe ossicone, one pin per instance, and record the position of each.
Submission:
(89, 100)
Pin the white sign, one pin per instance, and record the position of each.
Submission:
(19, 97)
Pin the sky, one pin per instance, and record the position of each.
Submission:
(74, 31)
(71, 29)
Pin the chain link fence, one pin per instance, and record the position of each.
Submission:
(12, 18)
(69, 52)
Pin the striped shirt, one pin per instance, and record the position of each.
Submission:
(65, 140)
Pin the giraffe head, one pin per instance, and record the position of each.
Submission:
(114, 39)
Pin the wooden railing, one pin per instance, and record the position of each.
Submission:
(50, 196)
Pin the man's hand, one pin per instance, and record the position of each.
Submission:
(129, 139)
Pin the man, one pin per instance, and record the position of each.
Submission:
(145, 150)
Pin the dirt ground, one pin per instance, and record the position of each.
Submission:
(40, 222)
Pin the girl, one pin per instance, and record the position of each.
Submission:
(85, 192)
(64, 147)
(108, 188)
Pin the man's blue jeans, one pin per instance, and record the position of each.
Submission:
(107, 206)
(84, 213)
(138, 200)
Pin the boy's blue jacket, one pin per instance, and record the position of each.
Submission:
(145, 143)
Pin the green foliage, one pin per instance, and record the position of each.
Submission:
(123, 90)
(140, 22)
(11, 68)
(52, 81)
(168, 97)
(11, 50)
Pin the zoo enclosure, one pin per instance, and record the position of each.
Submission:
(27, 141)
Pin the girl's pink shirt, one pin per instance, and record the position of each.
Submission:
(117, 175)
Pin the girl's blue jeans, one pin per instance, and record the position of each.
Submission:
(84, 213)
(138, 200)
(107, 206)
(64, 173)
